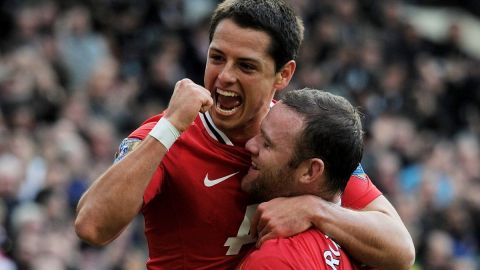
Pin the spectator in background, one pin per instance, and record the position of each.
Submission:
(252, 52)
(379, 39)
(80, 47)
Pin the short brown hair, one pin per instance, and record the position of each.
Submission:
(275, 17)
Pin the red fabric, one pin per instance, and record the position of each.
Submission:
(310, 250)
(187, 224)
(359, 192)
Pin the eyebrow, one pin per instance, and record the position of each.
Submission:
(216, 50)
(245, 59)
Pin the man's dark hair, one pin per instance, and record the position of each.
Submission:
(275, 17)
(332, 132)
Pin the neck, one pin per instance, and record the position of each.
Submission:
(239, 137)
(336, 199)
(328, 194)
(240, 134)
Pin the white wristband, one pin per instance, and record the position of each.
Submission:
(165, 132)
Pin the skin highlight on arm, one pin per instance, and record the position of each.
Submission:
(116, 197)
(374, 236)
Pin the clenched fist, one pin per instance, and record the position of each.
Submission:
(187, 101)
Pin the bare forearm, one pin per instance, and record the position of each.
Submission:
(115, 198)
(376, 238)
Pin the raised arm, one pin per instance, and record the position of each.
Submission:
(375, 236)
(116, 197)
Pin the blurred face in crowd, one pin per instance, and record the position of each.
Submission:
(241, 76)
(271, 174)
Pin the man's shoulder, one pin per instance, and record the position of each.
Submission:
(360, 191)
(265, 258)
(142, 131)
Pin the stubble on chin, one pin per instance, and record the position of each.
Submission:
(270, 185)
(257, 192)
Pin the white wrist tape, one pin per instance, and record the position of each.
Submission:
(165, 132)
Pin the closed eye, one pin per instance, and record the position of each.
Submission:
(266, 145)
(265, 141)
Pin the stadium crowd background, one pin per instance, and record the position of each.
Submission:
(77, 76)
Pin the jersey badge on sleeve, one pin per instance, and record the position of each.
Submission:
(127, 146)
(359, 172)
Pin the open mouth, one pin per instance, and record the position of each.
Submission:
(227, 102)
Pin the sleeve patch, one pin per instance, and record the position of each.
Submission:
(127, 146)
(360, 173)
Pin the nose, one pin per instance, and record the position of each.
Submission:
(227, 74)
(252, 146)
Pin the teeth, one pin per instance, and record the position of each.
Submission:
(226, 93)
(225, 111)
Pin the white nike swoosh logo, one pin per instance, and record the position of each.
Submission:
(211, 183)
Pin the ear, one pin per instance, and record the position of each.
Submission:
(311, 170)
(284, 75)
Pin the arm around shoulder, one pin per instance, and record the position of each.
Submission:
(375, 236)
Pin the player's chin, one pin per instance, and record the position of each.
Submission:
(248, 180)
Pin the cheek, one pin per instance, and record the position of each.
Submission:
(260, 93)
(209, 76)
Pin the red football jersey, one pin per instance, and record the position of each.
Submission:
(360, 191)
(196, 216)
(310, 250)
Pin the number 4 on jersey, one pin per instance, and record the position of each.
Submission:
(243, 237)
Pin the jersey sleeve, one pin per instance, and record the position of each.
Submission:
(135, 138)
(360, 191)
(130, 143)
(155, 185)
(145, 128)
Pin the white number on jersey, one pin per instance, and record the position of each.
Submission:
(243, 237)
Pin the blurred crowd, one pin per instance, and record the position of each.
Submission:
(77, 76)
